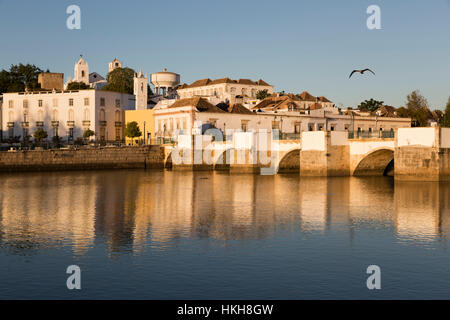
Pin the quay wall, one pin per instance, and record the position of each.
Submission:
(83, 159)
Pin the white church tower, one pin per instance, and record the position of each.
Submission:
(81, 72)
(114, 65)
(140, 90)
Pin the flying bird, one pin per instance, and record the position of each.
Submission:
(360, 71)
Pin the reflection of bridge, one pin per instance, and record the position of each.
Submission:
(420, 154)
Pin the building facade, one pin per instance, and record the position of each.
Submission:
(66, 114)
(224, 90)
(193, 115)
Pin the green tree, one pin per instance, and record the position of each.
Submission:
(77, 86)
(20, 77)
(402, 112)
(120, 80)
(370, 105)
(417, 108)
(88, 133)
(40, 134)
(132, 130)
(262, 94)
(446, 117)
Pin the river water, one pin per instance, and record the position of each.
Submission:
(201, 235)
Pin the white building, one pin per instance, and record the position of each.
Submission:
(224, 90)
(190, 115)
(67, 114)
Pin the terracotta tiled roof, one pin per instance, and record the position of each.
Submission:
(305, 96)
(323, 99)
(208, 82)
(239, 108)
(286, 102)
(202, 105)
(315, 106)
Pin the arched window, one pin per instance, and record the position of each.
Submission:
(82, 74)
(86, 115)
(142, 87)
(55, 115)
(25, 116)
(117, 116)
(71, 115)
(102, 114)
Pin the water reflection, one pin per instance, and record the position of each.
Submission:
(130, 211)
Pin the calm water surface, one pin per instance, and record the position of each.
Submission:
(185, 235)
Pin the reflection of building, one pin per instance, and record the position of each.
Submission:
(418, 210)
(53, 208)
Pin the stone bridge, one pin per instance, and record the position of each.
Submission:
(415, 154)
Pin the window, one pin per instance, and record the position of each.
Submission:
(25, 134)
(102, 133)
(71, 115)
(82, 74)
(70, 134)
(55, 115)
(40, 116)
(275, 125)
(11, 132)
(118, 103)
(118, 137)
(102, 102)
(213, 122)
(320, 127)
(11, 104)
(55, 131)
(346, 127)
(11, 116)
(86, 115)
(117, 116)
(55, 103)
(370, 130)
(244, 125)
(310, 127)
(297, 127)
(332, 127)
(25, 103)
(102, 115)
(71, 102)
(86, 101)
(40, 103)
(25, 117)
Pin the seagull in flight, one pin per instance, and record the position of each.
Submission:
(360, 71)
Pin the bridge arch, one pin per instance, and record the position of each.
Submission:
(221, 160)
(377, 162)
(290, 162)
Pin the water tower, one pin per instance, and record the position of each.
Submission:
(165, 82)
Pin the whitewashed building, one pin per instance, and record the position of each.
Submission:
(66, 114)
(224, 90)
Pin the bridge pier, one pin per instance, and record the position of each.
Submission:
(324, 153)
(422, 154)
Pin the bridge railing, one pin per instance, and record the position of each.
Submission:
(369, 134)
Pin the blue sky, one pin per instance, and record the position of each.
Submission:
(294, 45)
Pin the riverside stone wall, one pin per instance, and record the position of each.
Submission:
(83, 159)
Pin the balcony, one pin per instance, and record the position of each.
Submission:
(86, 123)
(102, 123)
(39, 123)
(118, 124)
(10, 124)
(25, 124)
(55, 123)
(71, 124)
